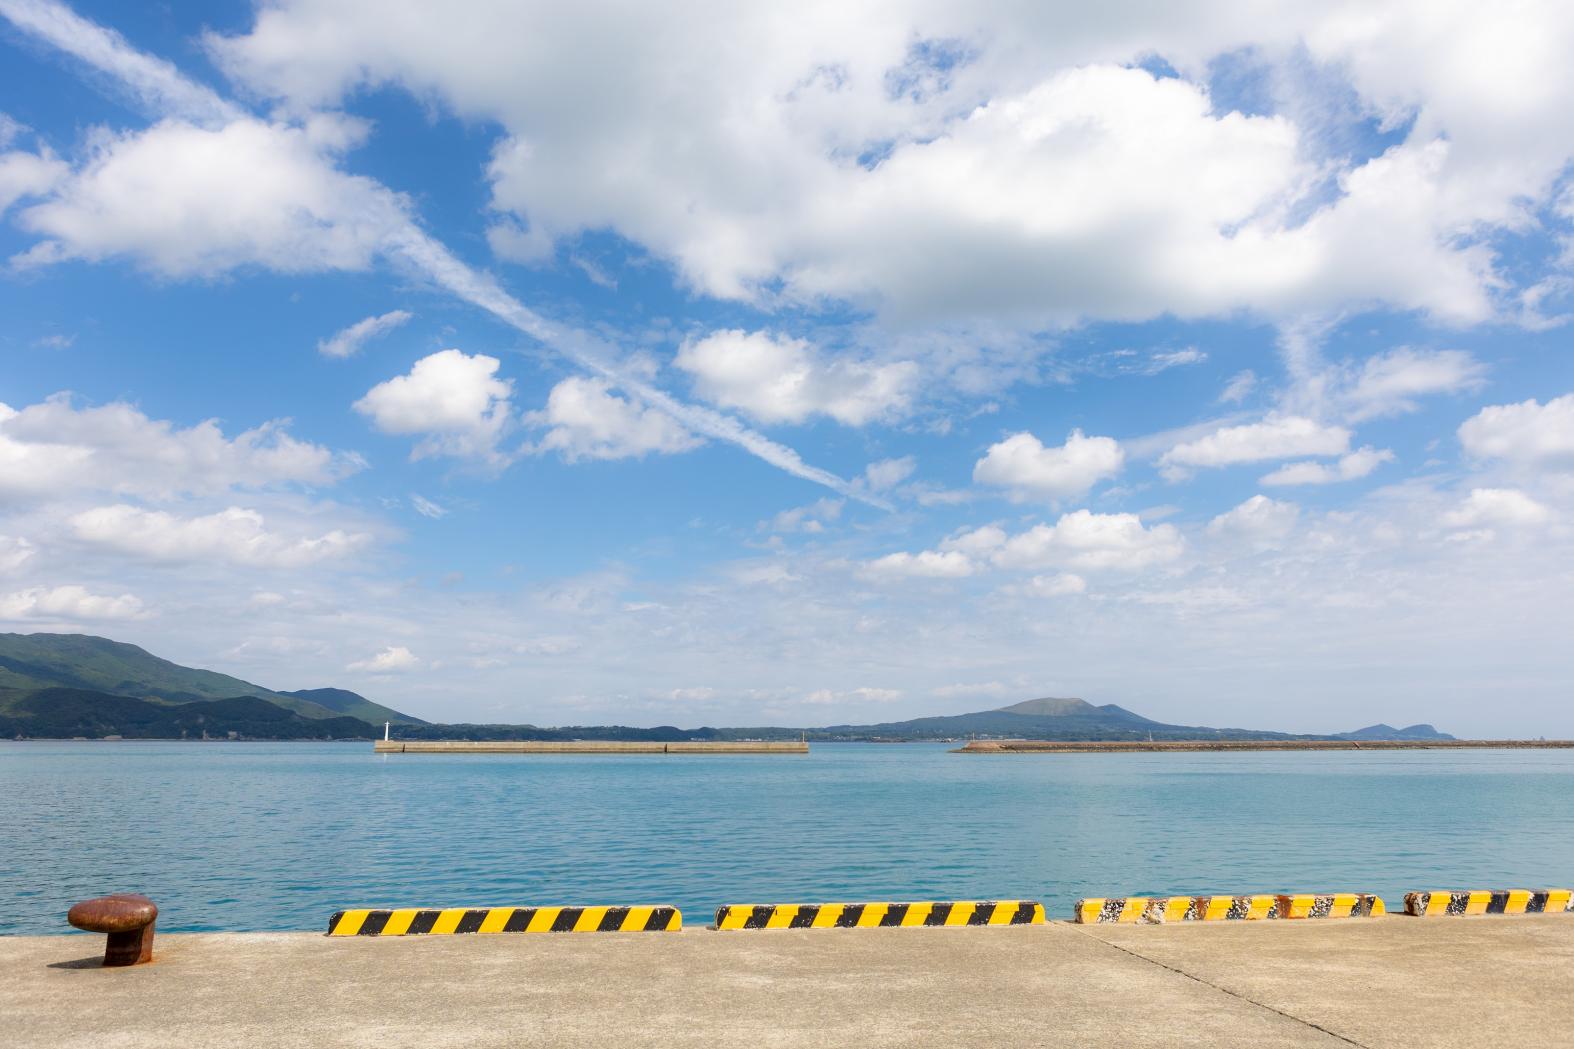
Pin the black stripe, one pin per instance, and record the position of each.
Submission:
(982, 912)
(424, 920)
(894, 914)
(759, 916)
(567, 918)
(519, 921)
(1497, 903)
(471, 922)
(1537, 903)
(939, 913)
(661, 919)
(613, 920)
(333, 923)
(850, 915)
(374, 923)
(1024, 914)
(805, 916)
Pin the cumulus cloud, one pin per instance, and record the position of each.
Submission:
(453, 400)
(392, 660)
(777, 379)
(1485, 507)
(53, 447)
(67, 603)
(1028, 470)
(811, 519)
(584, 419)
(233, 536)
(1278, 437)
(24, 174)
(167, 198)
(886, 474)
(908, 157)
(928, 564)
(1526, 434)
(1350, 467)
(1089, 541)
(1062, 584)
(1258, 520)
(348, 342)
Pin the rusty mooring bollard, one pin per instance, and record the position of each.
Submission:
(127, 918)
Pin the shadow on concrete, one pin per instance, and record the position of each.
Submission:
(95, 962)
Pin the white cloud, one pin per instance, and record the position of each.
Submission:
(1258, 520)
(1239, 387)
(1350, 467)
(1062, 584)
(1389, 383)
(1164, 360)
(1086, 540)
(1279, 437)
(15, 551)
(453, 400)
(584, 419)
(886, 474)
(67, 603)
(826, 696)
(929, 564)
(233, 536)
(50, 448)
(426, 508)
(391, 660)
(1497, 506)
(812, 518)
(24, 174)
(777, 379)
(348, 342)
(185, 201)
(1526, 434)
(1014, 166)
(1028, 470)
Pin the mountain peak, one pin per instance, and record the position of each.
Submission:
(1050, 707)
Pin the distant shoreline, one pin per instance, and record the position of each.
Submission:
(1046, 746)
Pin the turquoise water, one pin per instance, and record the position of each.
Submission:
(278, 836)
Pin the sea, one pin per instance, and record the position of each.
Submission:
(273, 836)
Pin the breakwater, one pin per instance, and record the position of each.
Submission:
(588, 746)
(1051, 746)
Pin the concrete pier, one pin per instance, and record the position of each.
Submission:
(1397, 982)
(587, 746)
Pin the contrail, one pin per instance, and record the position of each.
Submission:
(164, 90)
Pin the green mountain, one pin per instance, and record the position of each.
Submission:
(33, 662)
(354, 705)
(70, 713)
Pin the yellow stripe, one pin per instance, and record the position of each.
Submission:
(1477, 903)
(1517, 898)
(1215, 908)
(350, 924)
(1133, 908)
(448, 921)
(1259, 908)
(1175, 908)
(1038, 914)
(781, 917)
(590, 919)
(961, 913)
(1438, 904)
(917, 914)
(636, 919)
(1344, 904)
(399, 921)
(1297, 906)
(1088, 911)
(1558, 899)
(495, 919)
(829, 912)
(543, 919)
(734, 917)
(872, 914)
(1378, 907)
(675, 922)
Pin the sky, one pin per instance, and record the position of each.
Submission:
(706, 363)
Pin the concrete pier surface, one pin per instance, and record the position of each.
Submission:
(1382, 982)
(586, 746)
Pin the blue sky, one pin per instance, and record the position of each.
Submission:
(706, 366)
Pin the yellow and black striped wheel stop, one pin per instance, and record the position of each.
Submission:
(951, 914)
(454, 920)
(1489, 901)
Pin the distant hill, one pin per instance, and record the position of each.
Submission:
(68, 713)
(33, 662)
(1381, 731)
(355, 705)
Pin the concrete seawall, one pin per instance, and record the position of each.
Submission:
(589, 746)
(1050, 746)
(1383, 983)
